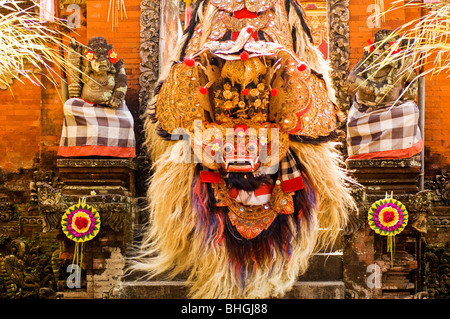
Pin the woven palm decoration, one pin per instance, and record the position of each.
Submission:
(388, 217)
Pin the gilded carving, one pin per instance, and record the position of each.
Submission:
(437, 271)
(6, 209)
(149, 49)
(339, 50)
(440, 187)
(45, 189)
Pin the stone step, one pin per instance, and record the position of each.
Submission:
(323, 280)
(179, 290)
(322, 267)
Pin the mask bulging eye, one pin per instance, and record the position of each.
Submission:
(252, 147)
(229, 148)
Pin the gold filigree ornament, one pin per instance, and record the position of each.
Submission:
(243, 72)
(251, 5)
(180, 102)
(302, 106)
(273, 27)
(250, 221)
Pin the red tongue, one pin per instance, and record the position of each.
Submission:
(244, 13)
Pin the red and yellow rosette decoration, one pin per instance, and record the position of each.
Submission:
(90, 55)
(80, 223)
(388, 217)
(113, 57)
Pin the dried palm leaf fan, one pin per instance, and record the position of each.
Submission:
(424, 40)
(116, 9)
(29, 48)
(379, 7)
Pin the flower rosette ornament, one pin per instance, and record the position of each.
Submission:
(388, 217)
(80, 223)
(113, 57)
(89, 55)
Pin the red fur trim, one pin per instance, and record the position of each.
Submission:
(210, 177)
(234, 192)
(263, 190)
(292, 185)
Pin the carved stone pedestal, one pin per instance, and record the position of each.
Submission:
(104, 175)
(368, 272)
(379, 176)
(108, 186)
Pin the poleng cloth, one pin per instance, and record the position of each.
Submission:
(92, 130)
(384, 132)
(290, 174)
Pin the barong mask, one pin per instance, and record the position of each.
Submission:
(252, 95)
(244, 91)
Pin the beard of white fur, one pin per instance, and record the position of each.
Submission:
(172, 244)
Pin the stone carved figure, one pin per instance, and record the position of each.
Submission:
(97, 121)
(383, 120)
(103, 79)
(26, 270)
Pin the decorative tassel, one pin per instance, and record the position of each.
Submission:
(78, 254)
(391, 248)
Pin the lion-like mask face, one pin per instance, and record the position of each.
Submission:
(240, 148)
(241, 100)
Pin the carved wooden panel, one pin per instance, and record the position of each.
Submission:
(149, 49)
(339, 49)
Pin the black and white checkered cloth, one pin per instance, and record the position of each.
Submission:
(96, 130)
(384, 132)
(290, 174)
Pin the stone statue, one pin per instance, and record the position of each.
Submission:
(90, 130)
(103, 79)
(383, 86)
(383, 120)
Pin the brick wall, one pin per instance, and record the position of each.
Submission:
(31, 120)
(437, 88)
(20, 127)
(437, 123)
